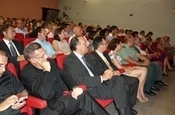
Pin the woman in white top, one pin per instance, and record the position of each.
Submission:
(59, 43)
(115, 45)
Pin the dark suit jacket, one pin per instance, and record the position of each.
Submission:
(95, 60)
(5, 48)
(78, 71)
(46, 85)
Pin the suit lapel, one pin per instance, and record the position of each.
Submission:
(78, 63)
(98, 57)
(19, 48)
(6, 47)
(109, 60)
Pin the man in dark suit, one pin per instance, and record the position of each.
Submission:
(104, 85)
(48, 82)
(12, 92)
(12, 47)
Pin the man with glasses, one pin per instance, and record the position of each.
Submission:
(101, 83)
(49, 82)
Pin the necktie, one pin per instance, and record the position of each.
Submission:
(87, 66)
(13, 50)
(106, 62)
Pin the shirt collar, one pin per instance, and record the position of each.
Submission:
(38, 40)
(78, 55)
(99, 53)
(7, 41)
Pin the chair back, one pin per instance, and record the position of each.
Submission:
(22, 64)
(50, 40)
(60, 60)
(27, 41)
(19, 37)
(12, 69)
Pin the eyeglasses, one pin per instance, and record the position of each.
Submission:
(42, 56)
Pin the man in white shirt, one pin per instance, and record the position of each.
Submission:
(20, 27)
(12, 47)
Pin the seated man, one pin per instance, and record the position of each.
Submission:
(48, 82)
(129, 55)
(20, 27)
(12, 47)
(12, 92)
(103, 85)
(77, 31)
(41, 39)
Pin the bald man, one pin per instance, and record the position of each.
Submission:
(77, 30)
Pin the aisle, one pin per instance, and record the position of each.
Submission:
(161, 104)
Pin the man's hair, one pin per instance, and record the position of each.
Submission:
(112, 28)
(96, 42)
(4, 27)
(73, 43)
(30, 49)
(64, 25)
(128, 38)
(142, 31)
(38, 29)
(102, 32)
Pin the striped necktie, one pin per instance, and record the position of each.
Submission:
(13, 50)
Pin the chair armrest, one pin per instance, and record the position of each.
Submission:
(69, 93)
(130, 64)
(36, 102)
(83, 87)
(121, 70)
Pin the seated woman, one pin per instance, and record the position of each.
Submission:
(60, 45)
(115, 45)
(170, 50)
(157, 55)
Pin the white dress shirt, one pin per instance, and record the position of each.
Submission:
(8, 45)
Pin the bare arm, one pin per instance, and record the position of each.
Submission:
(56, 48)
(116, 63)
(146, 62)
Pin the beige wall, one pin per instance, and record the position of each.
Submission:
(149, 15)
(25, 8)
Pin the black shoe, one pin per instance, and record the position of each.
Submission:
(163, 84)
(155, 88)
(134, 111)
(165, 74)
(149, 92)
(158, 84)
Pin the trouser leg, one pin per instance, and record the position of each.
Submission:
(91, 105)
(84, 105)
(150, 77)
(159, 69)
(132, 84)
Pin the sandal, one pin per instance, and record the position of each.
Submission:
(170, 69)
